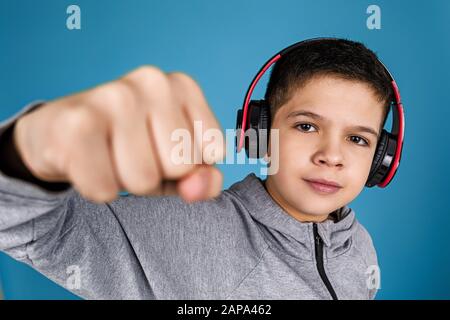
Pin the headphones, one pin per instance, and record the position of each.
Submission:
(255, 114)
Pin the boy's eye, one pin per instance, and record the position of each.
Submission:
(304, 127)
(359, 140)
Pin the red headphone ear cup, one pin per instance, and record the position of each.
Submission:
(382, 159)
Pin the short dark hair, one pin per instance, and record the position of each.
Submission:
(341, 58)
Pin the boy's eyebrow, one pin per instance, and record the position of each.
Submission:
(297, 113)
(313, 115)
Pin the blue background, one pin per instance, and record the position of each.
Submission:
(222, 44)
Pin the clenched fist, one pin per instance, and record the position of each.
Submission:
(118, 136)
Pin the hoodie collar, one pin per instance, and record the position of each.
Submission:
(294, 236)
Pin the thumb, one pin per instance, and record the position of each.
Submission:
(203, 183)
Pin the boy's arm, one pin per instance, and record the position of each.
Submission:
(112, 137)
(132, 248)
(78, 244)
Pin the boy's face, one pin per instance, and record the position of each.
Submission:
(330, 147)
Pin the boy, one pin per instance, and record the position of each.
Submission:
(291, 236)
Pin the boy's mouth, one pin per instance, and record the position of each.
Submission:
(323, 186)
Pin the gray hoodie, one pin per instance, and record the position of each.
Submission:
(239, 245)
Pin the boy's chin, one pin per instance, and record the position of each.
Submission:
(316, 205)
(315, 209)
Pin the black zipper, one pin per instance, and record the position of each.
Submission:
(319, 262)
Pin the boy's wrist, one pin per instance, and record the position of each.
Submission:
(12, 165)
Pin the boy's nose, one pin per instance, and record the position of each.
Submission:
(329, 154)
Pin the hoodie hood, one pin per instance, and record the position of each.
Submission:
(286, 232)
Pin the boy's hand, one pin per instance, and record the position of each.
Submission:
(117, 136)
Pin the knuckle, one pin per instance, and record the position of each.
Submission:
(182, 77)
(81, 121)
(47, 162)
(185, 81)
(147, 70)
(149, 76)
(49, 154)
(123, 97)
(117, 97)
(118, 92)
(152, 84)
